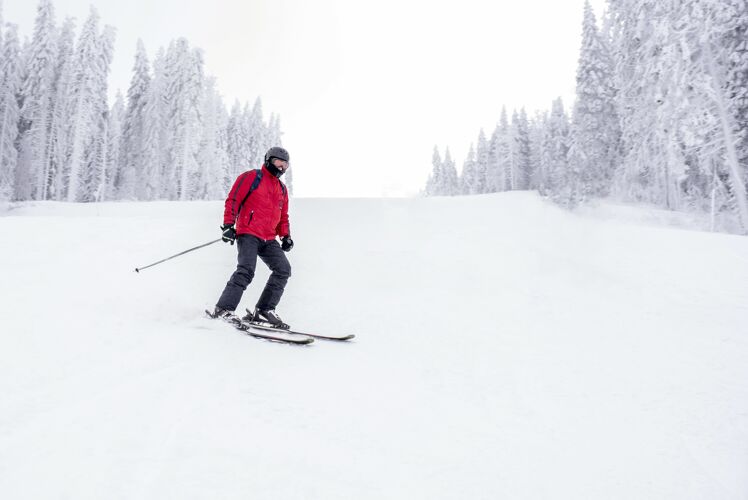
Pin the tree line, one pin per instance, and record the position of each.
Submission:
(660, 117)
(170, 138)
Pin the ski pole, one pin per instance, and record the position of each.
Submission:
(138, 269)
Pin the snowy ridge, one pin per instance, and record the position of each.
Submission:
(606, 359)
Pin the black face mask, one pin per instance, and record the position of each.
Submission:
(274, 170)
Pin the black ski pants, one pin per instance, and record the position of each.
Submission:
(271, 254)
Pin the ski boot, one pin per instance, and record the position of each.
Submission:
(226, 315)
(269, 317)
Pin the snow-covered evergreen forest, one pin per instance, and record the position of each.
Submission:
(171, 137)
(660, 117)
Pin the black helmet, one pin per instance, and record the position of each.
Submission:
(281, 154)
(276, 152)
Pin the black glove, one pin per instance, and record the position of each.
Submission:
(287, 243)
(229, 233)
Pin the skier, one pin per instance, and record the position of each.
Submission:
(256, 212)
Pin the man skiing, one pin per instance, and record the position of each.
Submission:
(255, 213)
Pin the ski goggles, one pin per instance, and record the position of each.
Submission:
(279, 164)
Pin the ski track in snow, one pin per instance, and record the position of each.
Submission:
(505, 349)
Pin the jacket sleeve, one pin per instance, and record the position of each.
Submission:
(284, 227)
(236, 195)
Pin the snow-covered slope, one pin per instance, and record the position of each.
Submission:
(505, 349)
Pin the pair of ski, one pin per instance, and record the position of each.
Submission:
(267, 332)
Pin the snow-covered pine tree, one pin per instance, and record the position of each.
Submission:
(256, 136)
(81, 121)
(96, 180)
(94, 176)
(594, 135)
(643, 47)
(168, 181)
(236, 141)
(555, 151)
(504, 181)
(36, 95)
(521, 164)
(130, 182)
(224, 165)
(212, 157)
(184, 72)
(10, 84)
(149, 186)
(720, 54)
(57, 140)
(222, 146)
(88, 109)
(696, 138)
(495, 180)
(191, 175)
(482, 164)
(469, 179)
(253, 138)
(114, 161)
(537, 128)
(434, 182)
(449, 176)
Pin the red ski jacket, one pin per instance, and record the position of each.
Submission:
(265, 212)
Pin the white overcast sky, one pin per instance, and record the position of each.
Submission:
(364, 89)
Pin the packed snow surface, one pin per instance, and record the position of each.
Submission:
(505, 349)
